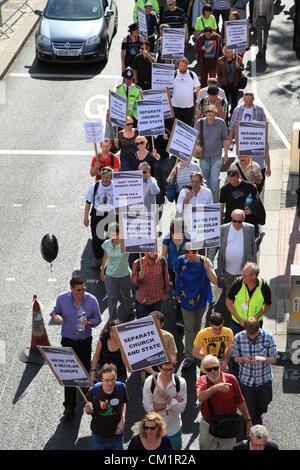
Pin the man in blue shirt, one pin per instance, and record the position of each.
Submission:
(194, 273)
(78, 312)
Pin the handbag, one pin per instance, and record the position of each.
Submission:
(243, 81)
(223, 426)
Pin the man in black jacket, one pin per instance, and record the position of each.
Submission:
(259, 440)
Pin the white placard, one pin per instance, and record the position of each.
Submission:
(141, 343)
(173, 42)
(252, 138)
(236, 34)
(66, 366)
(160, 95)
(138, 232)
(143, 30)
(127, 188)
(182, 141)
(117, 109)
(150, 116)
(162, 76)
(93, 131)
(205, 226)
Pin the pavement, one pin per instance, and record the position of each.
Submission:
(279, 248)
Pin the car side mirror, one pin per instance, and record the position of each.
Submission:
(108, 13)
(38, 12)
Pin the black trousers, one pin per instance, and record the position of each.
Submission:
(257, 400)
(83, 349)
(185, 114)
(99, 224)
(232, 92)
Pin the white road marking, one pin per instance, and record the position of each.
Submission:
(51, 279)
(17, 205)
(260, 103)
(50, 206)
(2, 352)
(10, 279)
(277, 73)
(63, 75)
(45, 152)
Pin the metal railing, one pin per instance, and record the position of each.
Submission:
(7, 26)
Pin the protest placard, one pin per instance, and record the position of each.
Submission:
(150, 116)
(66, 366)
(182, 141)
(205, 226)
(251, 138)
(93, 131)
(173, 42)
(143, 30)
(164, 97)
(162, 76)
(127, 188)
(141, 343)
(236, 34)
(138, 232)
(117, 109)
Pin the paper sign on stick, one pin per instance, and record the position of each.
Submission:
(93, 131)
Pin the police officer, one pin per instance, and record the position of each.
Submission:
(131, 91)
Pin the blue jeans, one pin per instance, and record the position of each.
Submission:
(143, 310)
(106, 443)
(211, 173)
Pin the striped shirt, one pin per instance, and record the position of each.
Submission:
(175, 19)
(257, 373)
(222, 5)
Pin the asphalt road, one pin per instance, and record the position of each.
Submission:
(44, 192)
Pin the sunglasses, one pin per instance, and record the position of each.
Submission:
(129, 123)
(168, 370)
(140, 143)
(145, 172)
(210, 369)
(150, 428)
(237, 221)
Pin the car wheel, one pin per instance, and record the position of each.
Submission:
(116, 24)
(106, 51)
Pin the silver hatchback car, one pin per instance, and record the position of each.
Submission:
(76, 30)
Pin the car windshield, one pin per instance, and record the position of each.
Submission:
(73, 10)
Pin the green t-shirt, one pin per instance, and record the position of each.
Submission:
(202, 23)
(117, 265)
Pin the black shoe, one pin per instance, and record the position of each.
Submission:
(69, 411)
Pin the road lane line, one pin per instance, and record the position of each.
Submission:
(51, 279)
(17, 205)
(45, 152)
(277, 73)
(50, 206)
(62, 75)
(10, 279)
(260, 103)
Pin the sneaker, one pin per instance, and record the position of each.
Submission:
(94, 263)
(188, 362)
(180, 323)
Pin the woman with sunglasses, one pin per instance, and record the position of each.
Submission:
(151, 434)
(108, 352)
(143, 155)
(126, 143)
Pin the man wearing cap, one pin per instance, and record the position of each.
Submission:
(130, 46)
(209, 48)
(214, 99)
(132, 92)
(142, 67)
(143, 4)
(100, 198)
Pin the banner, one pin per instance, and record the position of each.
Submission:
(138, 232)
(182, 141)
(93, 131)
(236, 34)
(173, 42)
(143, 30)
(117, 109)
(205, 226)
(127, 188)
(252, 138)
(162, 76)
(164, 97)
(66, 366)
(150, 116)
(141, 343)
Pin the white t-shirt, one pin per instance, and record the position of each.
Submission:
(104, 200)
(204, 196)
(248, 114)
(183, 92)
(234, 251)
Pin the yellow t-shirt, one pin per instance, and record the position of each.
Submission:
(207, 342)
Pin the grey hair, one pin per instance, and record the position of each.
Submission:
(253, 268)
(145, 165)
(238, 212)
(259, 431)
(208, 359)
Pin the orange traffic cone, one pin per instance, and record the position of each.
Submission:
(39, 336)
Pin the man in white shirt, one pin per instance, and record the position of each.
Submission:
(237, 246)
(167, 395)
(100, 197)
(186, 83)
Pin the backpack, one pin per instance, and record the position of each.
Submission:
(191, 75)
(97, 386)
(177, 384)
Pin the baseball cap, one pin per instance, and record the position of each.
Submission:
(148, 4)
(233, 173)
(105, 170)
(127, 73)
